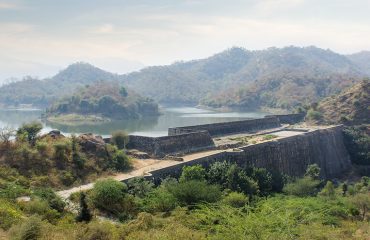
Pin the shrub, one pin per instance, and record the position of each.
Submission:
(313, 171)
(120, 139)
(160, 200)
(49, 195)
(30, 229)
(139, 187)
(263, 179)
(313, 115)
(328, 190)
(196, 172)
(9, 214)
(84, 214)
(217, 173)
(237, 180)
(120, 161)
(108, 195)
(97, 231)
(362, 202)
(236, 199)
(30, 131)
(193, 191)
(302, 187)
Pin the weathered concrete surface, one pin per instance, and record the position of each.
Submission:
(289, 154)
(217, 129)
(177, 144)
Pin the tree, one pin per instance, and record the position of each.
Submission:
(313, 171)
(139, 187)
(30, 131)
(123, 92)
(84, 214)
(264, 180)
(196, 172)
(6, 133)
(362, 201)
(108, 195)
(120, 139)
(120, 161)
(328, 190)
(302, 187)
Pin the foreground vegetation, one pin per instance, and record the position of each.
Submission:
(222, 202)
(53, 160)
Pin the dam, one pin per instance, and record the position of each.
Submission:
(272, 142)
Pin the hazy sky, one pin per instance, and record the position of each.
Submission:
(40, 37)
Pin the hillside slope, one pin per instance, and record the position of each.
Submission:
(103, 99)
(244, 79)
(41, 93)
(352, 106)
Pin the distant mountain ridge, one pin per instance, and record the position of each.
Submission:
(43, 92)
(236, 78)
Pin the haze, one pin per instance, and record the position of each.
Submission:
(40, 37)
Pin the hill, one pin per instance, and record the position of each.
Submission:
(237, 78)
(361, 59)
(42, 93)
(102, 100)
(352, 106)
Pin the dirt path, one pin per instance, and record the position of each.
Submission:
(141, 168)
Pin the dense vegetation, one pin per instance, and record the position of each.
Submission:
(42, 93)
(106, 99)
(237, 78)
(222, 202)
(53, 160)
(350, 108)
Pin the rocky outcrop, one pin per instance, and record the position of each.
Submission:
(90, 142)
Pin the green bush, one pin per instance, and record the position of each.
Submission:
(193, 191)
(302, 187)
(160, 200)
(196, 172)
(30, 229)
(30, 131)
(236, 199)
(139, 187)
(120, 161)
(9, 214)
(120, 139)
(108, 195)
(49, 195)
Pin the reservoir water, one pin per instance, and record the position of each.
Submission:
(147, 126)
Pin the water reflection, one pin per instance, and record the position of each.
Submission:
(148, 126)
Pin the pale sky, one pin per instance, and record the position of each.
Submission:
(40, 37)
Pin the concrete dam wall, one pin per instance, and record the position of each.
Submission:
(217, 129)
(177, 144)
(290, 155)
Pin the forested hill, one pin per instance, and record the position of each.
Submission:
(44, 92)
(361, 59)
(351, 106)
(107, 99)
(237, 78)
(276, 77)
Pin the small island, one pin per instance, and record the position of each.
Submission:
(101, 102)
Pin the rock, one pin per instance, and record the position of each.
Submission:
(54, 134)
(90, 142)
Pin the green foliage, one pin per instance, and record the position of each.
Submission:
(235, 199)
(193, 192)
(120, 161)
(313, 171)
(123, 92)
(51, 198)
(357, 141)
(9, 214)
(263, 179)
(302, 187)
(362, 202)
(108, 195)
(313, 115)
(120, 139)
(84, 214)
(160, 200)
(139, 187)
(31, 229)
(196, 172)
(29, 131)
(328, 190)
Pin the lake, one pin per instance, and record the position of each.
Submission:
(147, 126)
